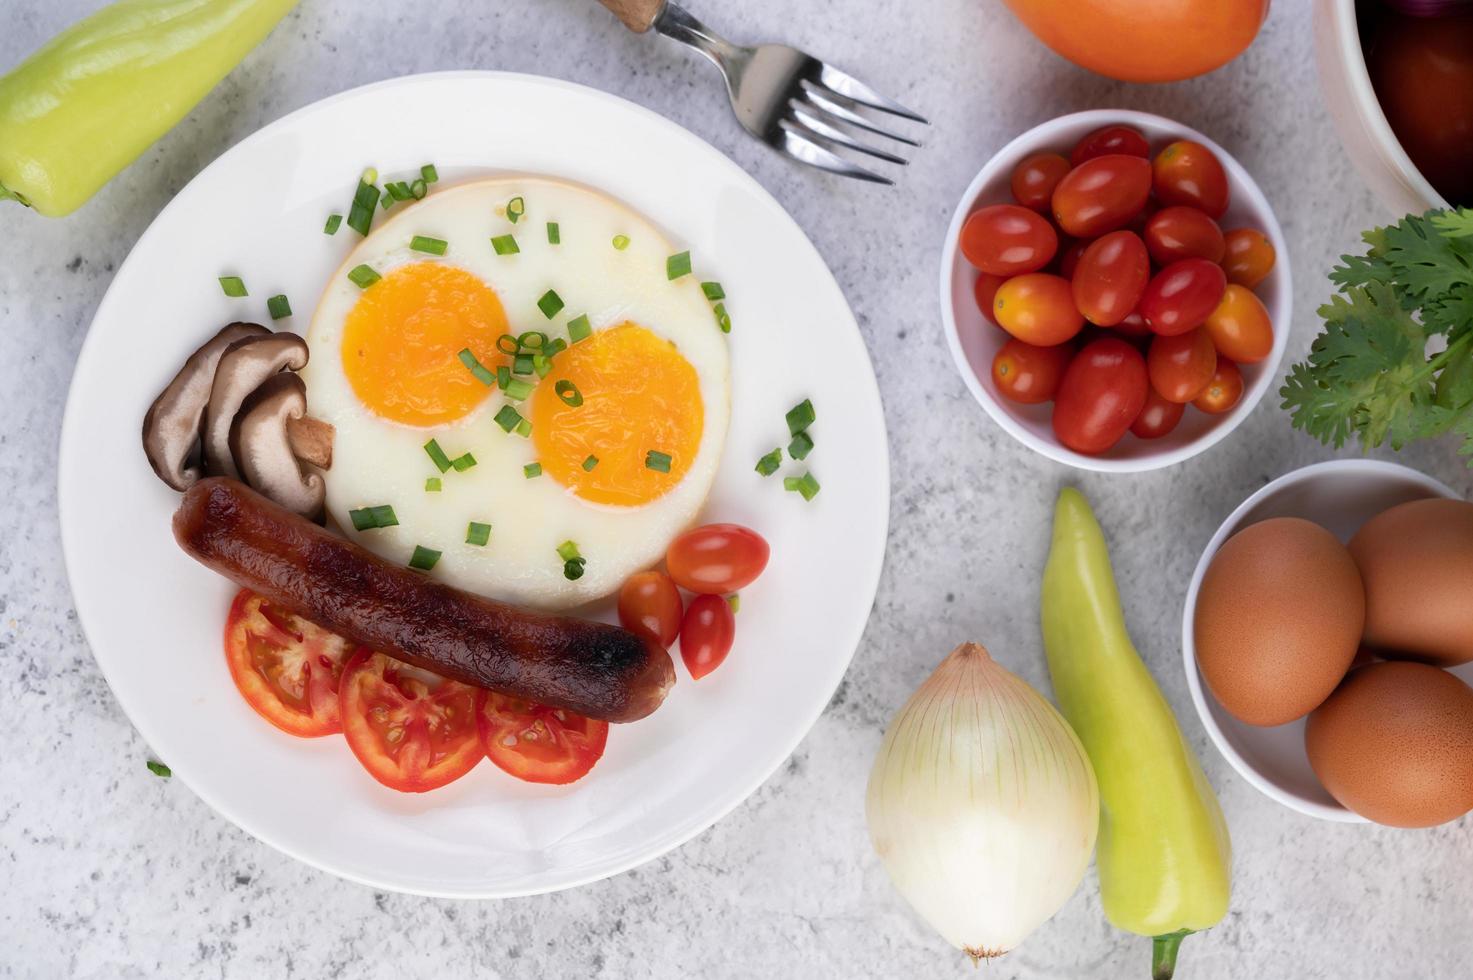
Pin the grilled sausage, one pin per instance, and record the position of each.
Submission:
(594, 669)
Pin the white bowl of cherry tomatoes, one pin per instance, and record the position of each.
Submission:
(1115, 291)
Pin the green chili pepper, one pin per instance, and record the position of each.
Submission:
(88, 103)
(1164, 856)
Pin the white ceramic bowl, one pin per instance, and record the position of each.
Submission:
(1340, 495)
(1368, 139)
(974, 341)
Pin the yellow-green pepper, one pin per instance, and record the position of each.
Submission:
(97, 95)
(1164, 857)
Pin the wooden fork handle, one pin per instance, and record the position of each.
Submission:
(637, 15)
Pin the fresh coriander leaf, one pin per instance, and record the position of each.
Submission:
(1454, 224)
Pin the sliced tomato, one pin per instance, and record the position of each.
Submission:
(286, 668)
(537, 743)
(411, 731)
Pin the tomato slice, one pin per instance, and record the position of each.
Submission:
(285, 667)
(409, 735)
(539, 744)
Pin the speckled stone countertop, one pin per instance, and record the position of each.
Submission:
(110, 872)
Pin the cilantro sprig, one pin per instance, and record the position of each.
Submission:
(1369, 374)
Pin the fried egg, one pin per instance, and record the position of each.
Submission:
(592, 471)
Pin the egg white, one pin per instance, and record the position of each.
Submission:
(378, 461)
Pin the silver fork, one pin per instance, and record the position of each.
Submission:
(785, 97)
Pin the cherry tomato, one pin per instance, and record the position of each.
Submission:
(539, 744)
(1069, 257)
(984, 289)
(1188, 173)
(1133, 326)
(1008, 240)
(1110, 278)
(1158, 418)
(1107, 140)
(1102, 392)
(1037, 309)
(1179, 232)
(1180, 366)
(286, 667)
(649, 603)
(706, 634)
(1181, 296)
(1223, 392)
(1027, 374)
(409, 736)
(1240, 328)
(716, 558)
(1248, 258)
(1035, 178)
(1101, 195)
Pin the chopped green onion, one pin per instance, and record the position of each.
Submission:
(423, 558)
(521, 364)
(368, 518)
(531, 470)
(518, 389)
(463, 462)
(437, 455)
(568, 392)
(279, 307)
(768, 464)
(508, 418)
(657, 461)
(363, 276)
(365, 199)
(398, 190)
(503, 375)
(723, 319)
(579, 328)
(677, 265)
(801, 446)
(386, 202)
(515, 208)
(524, 428)
(432, 484)
(800, 417)
(805, 485)
(508, 344)
(735, 602)
(532, 340)
(428, 173)
(234, 286)
(550, 304)
(589, 462)
(573, 569)
(568, 550)
(554, 234)
(430, 246)
(713, 291)
(477, 533)
(621, 242)
(418, 190)
(159, 769)
(555, 346)
(334, 222)
(541, 365)
(505, 245)
(476, 368)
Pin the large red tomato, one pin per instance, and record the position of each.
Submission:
(1144, 40)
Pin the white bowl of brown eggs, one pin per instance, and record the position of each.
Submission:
(1328, 640)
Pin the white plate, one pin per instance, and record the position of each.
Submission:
(1340, 496)
(154, 617)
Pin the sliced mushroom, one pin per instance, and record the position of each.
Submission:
(242, 369)
(172, 426)
(312, 440)
(259, 444)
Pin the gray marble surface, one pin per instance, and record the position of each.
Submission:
(110, 872)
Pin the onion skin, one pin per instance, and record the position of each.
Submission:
(982, 805)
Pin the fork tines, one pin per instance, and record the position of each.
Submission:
(825, 115)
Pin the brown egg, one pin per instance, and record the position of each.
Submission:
(1417, 563)
(1278, 620)
(1394, 743)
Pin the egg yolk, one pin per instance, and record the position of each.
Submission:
(403, 338)
(638, 395)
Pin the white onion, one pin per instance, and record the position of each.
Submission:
(982, 805)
